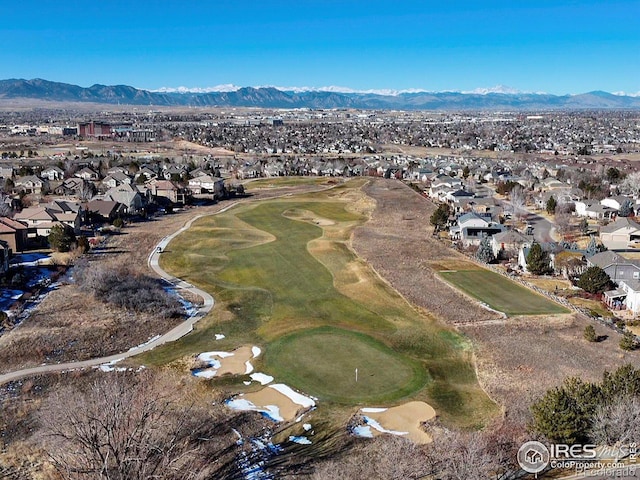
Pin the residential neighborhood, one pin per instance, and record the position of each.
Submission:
(527, 248)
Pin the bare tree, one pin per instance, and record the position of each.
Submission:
(5, 208)
(517, 199)
(86, 191)
(563, 220)
(476, 456)
(131, 427)
(379, 459)
(618, 423)
(632, 183)
(452, 456)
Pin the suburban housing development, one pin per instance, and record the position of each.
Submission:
(311, 278)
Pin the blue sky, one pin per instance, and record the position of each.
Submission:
(552, 46)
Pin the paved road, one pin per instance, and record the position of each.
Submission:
(543, 229)
(171, 336)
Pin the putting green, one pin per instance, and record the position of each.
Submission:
(502, 294)
(323, 362)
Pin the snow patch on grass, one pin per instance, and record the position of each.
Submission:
(294, 396)
(263, 378)
(300, 440)
(269, 411)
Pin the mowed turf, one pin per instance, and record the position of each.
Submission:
(500, 293)
(324, 361)
(318, 315)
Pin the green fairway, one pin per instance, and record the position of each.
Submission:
(501, 294)
(284, 277)
(279, 182)
(323, 362)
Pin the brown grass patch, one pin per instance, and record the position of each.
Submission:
(550, 284)
(456, 264)
(593, 305)
(517, 359)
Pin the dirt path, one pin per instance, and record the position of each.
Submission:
(175, 333)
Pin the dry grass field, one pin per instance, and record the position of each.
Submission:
(517, 359)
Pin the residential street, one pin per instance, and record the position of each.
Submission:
(542, 228)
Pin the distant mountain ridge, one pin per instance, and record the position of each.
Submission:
(270, 97)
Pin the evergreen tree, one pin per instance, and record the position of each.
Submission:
(624, 382)
(590, 334)
(565, 413)
(485, 251)
(594, 280)
(626, 209)
(592, 248)
(614, 175)
(584, 226)
(538, 261)
(61, 238)
(551, 205)
(440, 217)
(560, 415)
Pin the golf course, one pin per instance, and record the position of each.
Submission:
(284, 277)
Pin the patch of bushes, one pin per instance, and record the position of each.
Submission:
(122, 287)
(570, 413)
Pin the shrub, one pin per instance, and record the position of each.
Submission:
(628, 341)
(123, 288)
(590, 334)
(118, 223)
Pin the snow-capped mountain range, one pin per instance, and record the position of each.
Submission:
(495, 98)
(229, 87)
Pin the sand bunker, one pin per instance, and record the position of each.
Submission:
(403, 420)
(279, 402)
(237, 362)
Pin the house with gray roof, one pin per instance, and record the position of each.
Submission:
(619, 234)
(52, 173)
(471, 228)
(508, 243)
(615, 265)
(594, 209)
(126, 194)
(627, 295)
